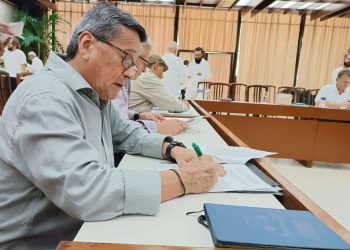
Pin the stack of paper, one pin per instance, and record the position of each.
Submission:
(16, 28)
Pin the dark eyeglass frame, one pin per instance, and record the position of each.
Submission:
(127, 60)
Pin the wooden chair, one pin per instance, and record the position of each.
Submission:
(5, 89)
(20, 76)
(310, 96)
(219, 90)
(271, 91)
(255, 93)
(237, 92)
(297, 93)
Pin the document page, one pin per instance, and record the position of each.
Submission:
(16, 28)
(239, 178)
(234, 155)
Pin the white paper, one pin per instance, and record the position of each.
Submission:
(239, 178)
(16, 28)
(234, 155)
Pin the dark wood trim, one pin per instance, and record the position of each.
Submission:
(300, 44)
(176, 22)
(233, 77)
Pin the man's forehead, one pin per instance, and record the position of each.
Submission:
(129, 39)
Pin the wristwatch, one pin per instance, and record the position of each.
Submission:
(171, 145)
(136, 117)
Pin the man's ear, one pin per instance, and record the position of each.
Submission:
(86, 41)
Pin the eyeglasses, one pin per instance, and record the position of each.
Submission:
(127, 61)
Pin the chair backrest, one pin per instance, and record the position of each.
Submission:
(255, 93)
(271, 89)
(299, 94)
(20, 76)
(238, 92)
(310, 96)
(282, 98)
(219, 90)
(5, 89)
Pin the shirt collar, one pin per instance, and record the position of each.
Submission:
(67, 73)
(73, 79)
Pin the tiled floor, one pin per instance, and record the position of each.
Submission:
(326, 183)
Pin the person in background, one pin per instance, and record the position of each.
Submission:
(148, 91)
(335, 95)
(199, 71)
(346, 65)
(58, 134)
(37, 64)
(153, 122)
(14, 60)
(175, 77)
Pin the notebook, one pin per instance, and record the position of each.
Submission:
(240, 226)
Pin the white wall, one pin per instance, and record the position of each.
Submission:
(7, 11)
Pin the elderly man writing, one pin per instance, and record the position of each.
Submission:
(58, 134)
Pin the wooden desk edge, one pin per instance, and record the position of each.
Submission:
(293, 198)
(70, 245)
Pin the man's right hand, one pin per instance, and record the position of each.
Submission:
(171, 127)
(200, 174)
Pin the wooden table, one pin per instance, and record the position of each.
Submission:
(124, 232)
(302, 133)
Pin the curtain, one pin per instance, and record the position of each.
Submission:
(213, 30)
(158, 22)
(72, 13)
(324, 45)
(268, 49)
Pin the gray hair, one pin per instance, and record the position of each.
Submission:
(104, 21)
(32, 53)
(147, 44)
(344, 72)
(172, 46)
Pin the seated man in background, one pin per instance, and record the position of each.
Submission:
(335, 95)
(151, 121)
(58, 134)
(37, 64)
(148, 91)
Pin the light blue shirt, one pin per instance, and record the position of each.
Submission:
(56, 161)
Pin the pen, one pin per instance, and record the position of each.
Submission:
(197, 149)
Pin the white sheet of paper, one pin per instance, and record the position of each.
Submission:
(239, 178)
(234, 155)
(16, 28)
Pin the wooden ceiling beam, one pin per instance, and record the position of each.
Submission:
(48, 4)
(233, 4)
(335, 13)
(259, 7)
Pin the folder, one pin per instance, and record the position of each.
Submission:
(240, 226)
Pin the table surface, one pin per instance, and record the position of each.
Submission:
(171, 226)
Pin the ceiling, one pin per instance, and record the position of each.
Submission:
(318, 9)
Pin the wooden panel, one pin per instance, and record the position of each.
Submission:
(332, 142)
(276, 110)
(288, 137)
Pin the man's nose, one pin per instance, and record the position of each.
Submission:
(130, 72)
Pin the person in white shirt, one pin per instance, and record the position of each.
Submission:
(336, 95)
(346, 65)
(175, 77)
(14, 60)
(199, 71)
(37, 64)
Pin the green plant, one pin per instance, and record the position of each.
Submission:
(39, 35)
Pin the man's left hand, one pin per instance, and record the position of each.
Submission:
(183, 155)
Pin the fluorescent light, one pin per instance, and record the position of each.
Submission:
(274, 4)
(243, 2)
(305, 6)
(288, 4)
(322, 6)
